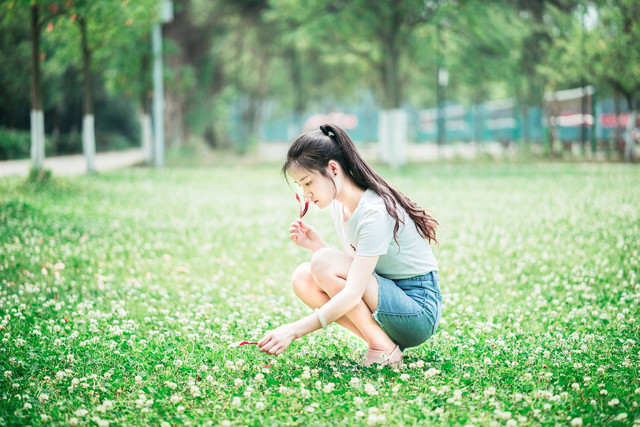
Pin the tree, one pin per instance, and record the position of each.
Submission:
(40, 13)
(614, 50)
(379, 33)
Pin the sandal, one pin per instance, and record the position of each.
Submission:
(394, 359)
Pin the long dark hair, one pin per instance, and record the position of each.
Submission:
(313, 151)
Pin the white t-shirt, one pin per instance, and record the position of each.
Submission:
(369, 232)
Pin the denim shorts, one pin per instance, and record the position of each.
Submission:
(409, 310)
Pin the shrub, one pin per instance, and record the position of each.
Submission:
(14, 144)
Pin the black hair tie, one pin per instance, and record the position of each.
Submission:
(324, 130)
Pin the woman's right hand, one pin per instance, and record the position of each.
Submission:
(304, 235)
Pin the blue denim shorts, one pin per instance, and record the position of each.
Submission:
(409, 310)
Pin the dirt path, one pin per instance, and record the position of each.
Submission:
(76, 164)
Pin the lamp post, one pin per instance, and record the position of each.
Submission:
(166, 15)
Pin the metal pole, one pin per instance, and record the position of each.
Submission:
(158, 97)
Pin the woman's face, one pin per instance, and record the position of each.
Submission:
(317, 188)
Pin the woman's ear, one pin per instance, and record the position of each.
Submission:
(333, 167)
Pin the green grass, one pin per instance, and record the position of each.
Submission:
(119, 294)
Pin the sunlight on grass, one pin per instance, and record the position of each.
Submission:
(121, 292)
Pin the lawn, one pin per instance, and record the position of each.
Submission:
(120, 293)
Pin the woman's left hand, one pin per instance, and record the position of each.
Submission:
(277, 341)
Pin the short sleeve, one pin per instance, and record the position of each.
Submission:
(375, 231)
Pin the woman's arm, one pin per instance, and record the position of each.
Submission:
(276, 341)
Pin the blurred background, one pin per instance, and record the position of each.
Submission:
(190, 76)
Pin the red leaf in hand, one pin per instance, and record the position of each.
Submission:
(304, 206)
(239, 343)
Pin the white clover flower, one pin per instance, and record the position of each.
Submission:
(604, 392)
(576, 422)
(195, 391)
(43, 397)
(171, 385)
(431, 372)
(73, 421)
(178, 363)
(175, 398)
(236, 402)
(259, 378)
(260, 405)
(490, 391)
(27, 405)
(358, 400)
(107, 375)
(622, 416)
(81, 412)
(613, 402)
(359, 414)
(60, 375)
(138, 378)
(370, 389)
(405, 377)
(305, 393)
(328, 388)
(237, 382)
(8, 374)
(354, 380)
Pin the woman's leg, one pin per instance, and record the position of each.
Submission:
(308, 290)
(329, 269)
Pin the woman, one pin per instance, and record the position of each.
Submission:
(384, 285)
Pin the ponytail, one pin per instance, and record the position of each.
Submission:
(314, 150)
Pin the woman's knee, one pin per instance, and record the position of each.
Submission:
(323, 263)
(302, 279)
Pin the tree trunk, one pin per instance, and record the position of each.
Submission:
(37, 115)
(629, 140)
(617, 132)
(526, 131)
(392, 125)
(88, 121)
(298, 110)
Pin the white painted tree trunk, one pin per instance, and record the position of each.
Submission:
(146, 136)
(37, 139)
(89, 142)
(392, 137)
(629, 142)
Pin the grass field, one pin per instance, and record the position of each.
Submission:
(121, 292)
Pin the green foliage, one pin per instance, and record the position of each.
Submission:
(14, 144)
(120, 293)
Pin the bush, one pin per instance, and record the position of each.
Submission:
(14, 144)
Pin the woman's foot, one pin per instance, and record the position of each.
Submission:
(391, 358)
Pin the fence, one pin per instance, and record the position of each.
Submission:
(571, 116)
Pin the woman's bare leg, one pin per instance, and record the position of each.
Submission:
(308, 290)
(329, 269)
